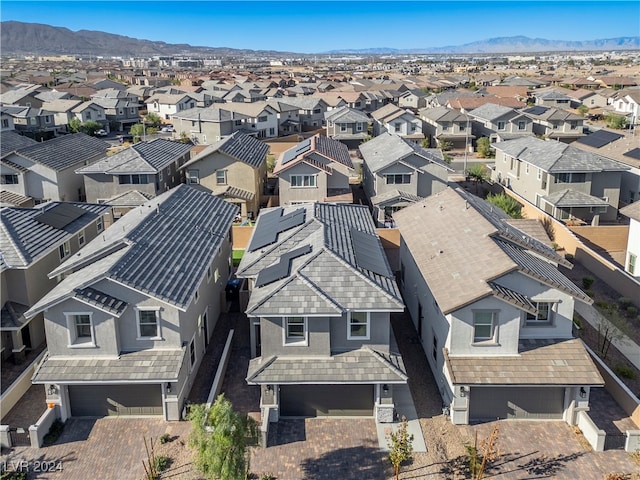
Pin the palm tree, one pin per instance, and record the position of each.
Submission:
(478, 173)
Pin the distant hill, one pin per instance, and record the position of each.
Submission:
(518, 44)
(34, 38)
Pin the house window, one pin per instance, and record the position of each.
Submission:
(543, 317)
(397, 127)
(359, 127)
(501, 125)
(272, 131)
(10, 179)
(216, 276)
(303, 181)
(631, 264)
(81, 238)
(262, 119)
(295, 330)
(398, 178)
(99, 224)
(343, 127)
(237, 123)
(526, 168)
(194, 176)
(208, 273)
(148, 323)
(134, 179)
(484, 326)
(80, 329)
(317, 110)
(358, 328)
(539, 174)
(64, 250)
(5, 123)
(522, 125)
(570, 178)
(221, 177)
(192, 352)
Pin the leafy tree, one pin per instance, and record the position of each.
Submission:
(478, 173)
(400, 446)
(507, 203)
(425, 143)
(219, 436)
(271, 163)
(484, 148)
(445, 145)
(137, 130)
(152, 119)
(615, 121)
(90, 127)
(583, 110)
(74, 125)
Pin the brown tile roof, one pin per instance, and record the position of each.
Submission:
(469, 103)
(540, 362)
(508, 91)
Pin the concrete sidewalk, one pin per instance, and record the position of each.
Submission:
(406, 408)
(627, 347)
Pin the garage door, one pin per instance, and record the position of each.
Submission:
(103, 400)
(529, 402)
(326, 400)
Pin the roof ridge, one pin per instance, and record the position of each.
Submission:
(378, 356)
(11, 235)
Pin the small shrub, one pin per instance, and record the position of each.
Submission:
(54, 432)
(162, 463)
(624, 371)
(267, 476)
(632, 311)
(13, 476)
(602, 304)
(590, 293)
(166, 438)
(556, 247)
(587, 282)
(625, 302)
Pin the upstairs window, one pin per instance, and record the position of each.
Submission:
(303, 181)
(194, 176)
(295, 330)
(398, 178)
(10, 179)
(522, 125)
(134, 179)
(484, 327)
(359, 326)
(80, 329)
(543, 317)
(99, 224)
(221, 177)
(263, 119)
(64, 250)
(81, 238)
(501, 125)
(148, 323)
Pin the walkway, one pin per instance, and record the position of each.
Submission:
(11, 371)
(623, 343)
(28, 410)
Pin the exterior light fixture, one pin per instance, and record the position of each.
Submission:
(583, 393)
(385, 388)
(51, 390)
(168, 387)
(269, 388)
(463, 391)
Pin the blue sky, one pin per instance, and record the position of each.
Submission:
(313, 27)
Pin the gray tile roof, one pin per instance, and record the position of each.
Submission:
(140, 366)
(238, 146)
(132, 198)
(556, 157)
(11, 141)
(632, 210)
(540, 362)
(364, 365)
(209, 114)
(389, 148)
(442, 114)
(574, 198)
(143, 157)
(306, 102)
(63, 152)
(12, 316)
(395, 197)
(24, 240)
(235, 192)
(346, 115)
(491, 111)
(329, 277)
(101, 300)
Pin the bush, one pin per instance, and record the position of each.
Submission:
(624, 371)
(625, 302)
(162, 463)
(13, 476)
(602, 304)
(632, 312)
(54, 432)
(267, 476)
(587, 282)
(165, 438)
(590, 293)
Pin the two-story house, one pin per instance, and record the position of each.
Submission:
(552, 98)
(234, 168)
(347, 125)
(167, 104)
(397, 172)
(496, 326)
(566, 182)
(555, 124)
(33, 242)
(121, 113)
(316, 169)
(149, 167)
(499, 123)
(310, 111)
(261, 119)
(287, 115)
(393, 119)
(442, 124)
(65, 110)
(46, 170)
(207, 125)
(129, 324)
(321, 295)
(34, 122)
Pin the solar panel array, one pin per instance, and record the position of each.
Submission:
(635, 153)
(282, 269)
(292, 153)
(537, 110)
(272, 223)
(60, 216)
(599, 139)
(367, 251)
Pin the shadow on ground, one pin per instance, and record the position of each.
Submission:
(355, 462)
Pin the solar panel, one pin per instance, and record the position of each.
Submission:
(537, 110)
(302, 147)
(635, 153)
(60, 215)
(282, 268)
(273, 223)
(366, 247)
(599, 139)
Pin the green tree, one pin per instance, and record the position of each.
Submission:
(271, 163)
(478, 173)
(75, 125)
(484, 148)
(583, 110)
(400, 447)
(90, 127)
(152, 119)
(445, 145)
(507, 203)
(615, 121)
(219, 436)
(138, 131)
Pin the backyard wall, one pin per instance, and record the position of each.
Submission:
(390, 238)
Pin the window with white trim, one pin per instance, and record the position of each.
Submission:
(194, 176)
(544, 315)
(81, 239)
(295, 330)
(80, 329)
(501, 125)
(221, 177)
(64, 250)
(485, 326)
(303, 181)
(148, 320)
(522, 125)
(9, 179)
(631, 264)
(99, 224)
(397, 178)
(358, 326)
(192, 352)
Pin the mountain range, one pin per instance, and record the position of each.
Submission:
(34, 38)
